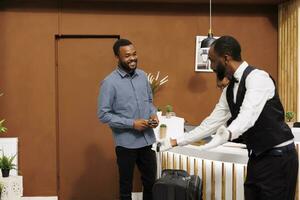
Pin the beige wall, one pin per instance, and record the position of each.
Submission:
(164, 35)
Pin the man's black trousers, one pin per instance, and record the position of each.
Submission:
(272, 176)
(145, 159)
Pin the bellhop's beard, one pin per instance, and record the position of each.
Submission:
(220, 71)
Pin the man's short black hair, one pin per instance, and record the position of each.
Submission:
(228, 45)
(119, 43)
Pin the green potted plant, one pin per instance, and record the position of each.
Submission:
(6, 164)
(169, 111)
(3, 129)
(159, 112)
(162, 131)
(289, 115)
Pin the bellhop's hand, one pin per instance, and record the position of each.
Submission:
(140, 124)
(221, 137)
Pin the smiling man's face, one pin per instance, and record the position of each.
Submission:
(128, 58)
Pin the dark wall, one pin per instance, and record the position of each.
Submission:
(164, 35)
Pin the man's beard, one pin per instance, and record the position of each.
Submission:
(126, 67)
(220, 71)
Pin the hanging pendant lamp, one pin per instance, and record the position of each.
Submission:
(210, 39)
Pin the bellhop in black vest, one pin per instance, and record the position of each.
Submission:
(270, 129)
(272, 167)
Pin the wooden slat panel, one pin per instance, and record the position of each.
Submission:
(213, 184)
(204, 179)
(288, 55)
(180, 162)
(233, 182)
(223, 182)
(196, 166)
(188, 165)
(174, 162)
(167, 162)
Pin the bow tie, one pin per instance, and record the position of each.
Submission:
(234, 80)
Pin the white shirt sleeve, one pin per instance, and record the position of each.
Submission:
(259, 89)
(218, 117)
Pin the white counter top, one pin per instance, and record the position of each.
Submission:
(221, 153)
(296, 132)
(229, 152)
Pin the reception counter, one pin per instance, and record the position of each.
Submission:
(222, 169)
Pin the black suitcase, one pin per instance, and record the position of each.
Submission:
(177, 185)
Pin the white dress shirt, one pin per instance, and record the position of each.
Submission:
(260, 88)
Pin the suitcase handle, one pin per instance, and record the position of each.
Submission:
(174, 172)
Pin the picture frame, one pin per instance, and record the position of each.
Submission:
(202, 63)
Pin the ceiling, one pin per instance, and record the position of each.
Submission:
(196, 1)
(266, 2)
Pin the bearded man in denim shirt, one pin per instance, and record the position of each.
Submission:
(125, 104)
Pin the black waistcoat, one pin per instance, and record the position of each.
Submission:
(270, 129)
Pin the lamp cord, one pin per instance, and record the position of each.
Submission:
(210, 31)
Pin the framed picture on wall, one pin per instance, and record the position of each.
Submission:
(202, 63)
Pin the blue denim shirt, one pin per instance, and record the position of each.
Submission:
(122, 99)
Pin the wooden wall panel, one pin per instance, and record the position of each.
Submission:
(27, 78)
(165, 40)
(288, 55)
